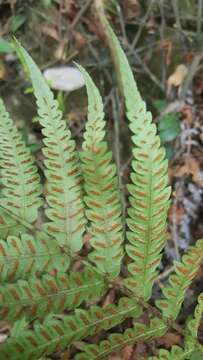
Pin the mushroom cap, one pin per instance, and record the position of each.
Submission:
(66, 78)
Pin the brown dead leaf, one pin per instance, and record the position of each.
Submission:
(177, 78)
(187, 114)
(166, 45)
(51, 32)
(79, 39)
(190, 167)
(131, 9)
(12, 4)
(169, 340)
(3, 71)
(110, 297)
(127, 352)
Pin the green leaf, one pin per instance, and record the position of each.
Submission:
(149, 193)
(39, 297)
(5, 47)
(53, 334)
(169, 127)
(64, 190)
(185, 272)
(139, 332)
(101, 185)
(21, 257)
(20, 181)
(16, 21)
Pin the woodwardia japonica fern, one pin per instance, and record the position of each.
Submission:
(48, 305)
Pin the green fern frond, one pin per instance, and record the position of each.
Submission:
(176, 353)
(185, 272)
(53, 333)
(21, 257)
(50, 294)
(149, 193)
(64, 192)
(20, 180)
(101, 187)
(139, 332)
(193, 325)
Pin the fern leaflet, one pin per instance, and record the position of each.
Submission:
(101, 186)
(21, 257)
(149, 192)
(64, 193)
(177, 353)
(185, 272)
(115, 342)
(50, 294)
(53, 333)
(20, 180)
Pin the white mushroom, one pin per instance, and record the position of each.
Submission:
(66, 78)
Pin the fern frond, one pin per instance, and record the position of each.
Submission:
(50, 294)
(176, 353)
(54, 334)
(149, 193)
(185, 272)
(139, 332)
(64, 192)
(21, 257)
(20, 180)
(101, 186)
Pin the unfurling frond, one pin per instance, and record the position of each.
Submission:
(20, 180)
(115, 342)
(64, 194)
(53, 334)
(149, 193)
(21, 257)
(50, 294)
(101, 186)
(185, 272)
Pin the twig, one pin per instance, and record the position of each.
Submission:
(191, 73)
(199, 18)
(162, 28)
(142, 25)
(80, 14)
(177, 15)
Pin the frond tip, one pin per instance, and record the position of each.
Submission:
(19, 175)
(149, 193)
(64, 192)
(101, 187)
(185, 272)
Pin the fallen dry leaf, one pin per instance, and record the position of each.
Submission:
(127, 352)
(166, 45)
(177, 78)
(79, 39)
(51, 32)
(169, 340)
(190, 167)
(131, 9)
